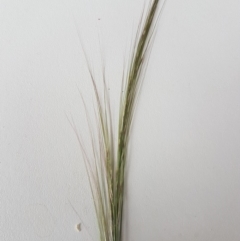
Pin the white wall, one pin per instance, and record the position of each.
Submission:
(184, 172)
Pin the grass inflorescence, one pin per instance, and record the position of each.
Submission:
(106, 172)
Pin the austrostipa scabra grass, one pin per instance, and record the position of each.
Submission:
(106, 166)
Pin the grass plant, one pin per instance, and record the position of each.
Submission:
(106, 170)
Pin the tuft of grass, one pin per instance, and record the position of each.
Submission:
(106, 170)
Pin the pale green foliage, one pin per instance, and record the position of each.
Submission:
(107, 171)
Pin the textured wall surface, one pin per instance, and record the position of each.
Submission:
(184, 173)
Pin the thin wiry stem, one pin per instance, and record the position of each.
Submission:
(106, 172)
